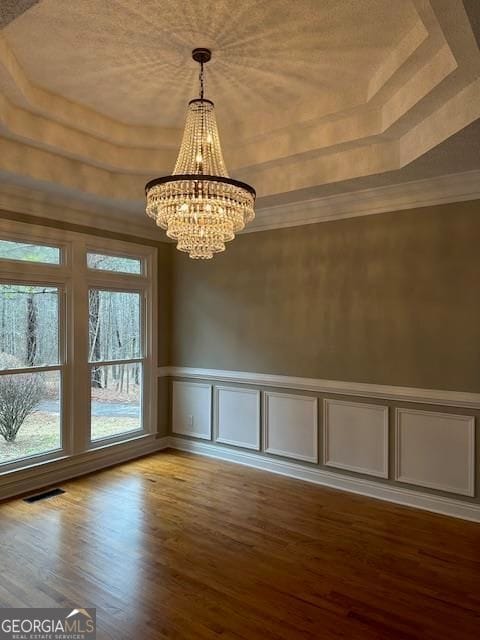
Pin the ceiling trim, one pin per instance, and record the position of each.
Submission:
(14, 199)
(408, 195)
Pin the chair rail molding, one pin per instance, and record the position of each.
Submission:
(366, 390)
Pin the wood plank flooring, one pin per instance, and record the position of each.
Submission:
(184, 547)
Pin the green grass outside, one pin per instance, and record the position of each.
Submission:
(40, 433)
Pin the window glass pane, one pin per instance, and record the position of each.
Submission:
(29, 252)
(119, 264)
(114, 325)
(29, 414)
(116, 399)
(28, 326)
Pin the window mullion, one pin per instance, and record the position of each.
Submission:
(107, 363)
(50, 367)
(78, 348)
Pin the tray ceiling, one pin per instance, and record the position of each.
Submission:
(310, 94)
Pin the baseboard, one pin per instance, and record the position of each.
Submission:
(47, 474)
(379, 490)
(439, 397)
(18, 483)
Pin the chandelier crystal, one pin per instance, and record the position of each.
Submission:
(199, 205)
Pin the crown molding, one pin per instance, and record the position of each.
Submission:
(15, 199)
(129, 219)
(428, 192)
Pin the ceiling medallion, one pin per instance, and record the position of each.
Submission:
(199, 205)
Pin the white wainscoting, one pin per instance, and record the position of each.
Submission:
(431, 449)
(236, 415)
(435, 450)
(355, 437)
(290, 426)
(192, 409)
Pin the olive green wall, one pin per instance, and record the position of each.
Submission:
(388, 299)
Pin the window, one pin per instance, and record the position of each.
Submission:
(28, 326)
(10, 250)
(120, 264)
(76, 344)
(30, 371)
(30, 415)
(115, 336)
(114, 325)
(116, 399)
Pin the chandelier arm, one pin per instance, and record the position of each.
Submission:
(200, 178)
(205, 100)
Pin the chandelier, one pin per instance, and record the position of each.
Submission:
(199, 205)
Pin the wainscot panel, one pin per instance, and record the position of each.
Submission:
(356, 437)
(192, 409)
(290, 426)
(237, 416)
(435, 450)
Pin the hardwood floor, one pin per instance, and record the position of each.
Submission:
(180, 546)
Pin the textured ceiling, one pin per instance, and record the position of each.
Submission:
(130, 59)
(314, 97)
(11, 9)
(458, 154)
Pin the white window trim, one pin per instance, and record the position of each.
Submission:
(74, 278)
(121, 253)
(21, 234)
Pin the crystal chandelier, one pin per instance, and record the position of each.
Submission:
(199, 205)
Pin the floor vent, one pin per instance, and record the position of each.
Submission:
(43, 496)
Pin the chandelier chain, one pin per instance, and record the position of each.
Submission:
(201, 77)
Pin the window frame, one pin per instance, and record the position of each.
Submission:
(22, 240)
(140, 290)
(74, 278)
(18, 232)
(118, 254)
(61, 367)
